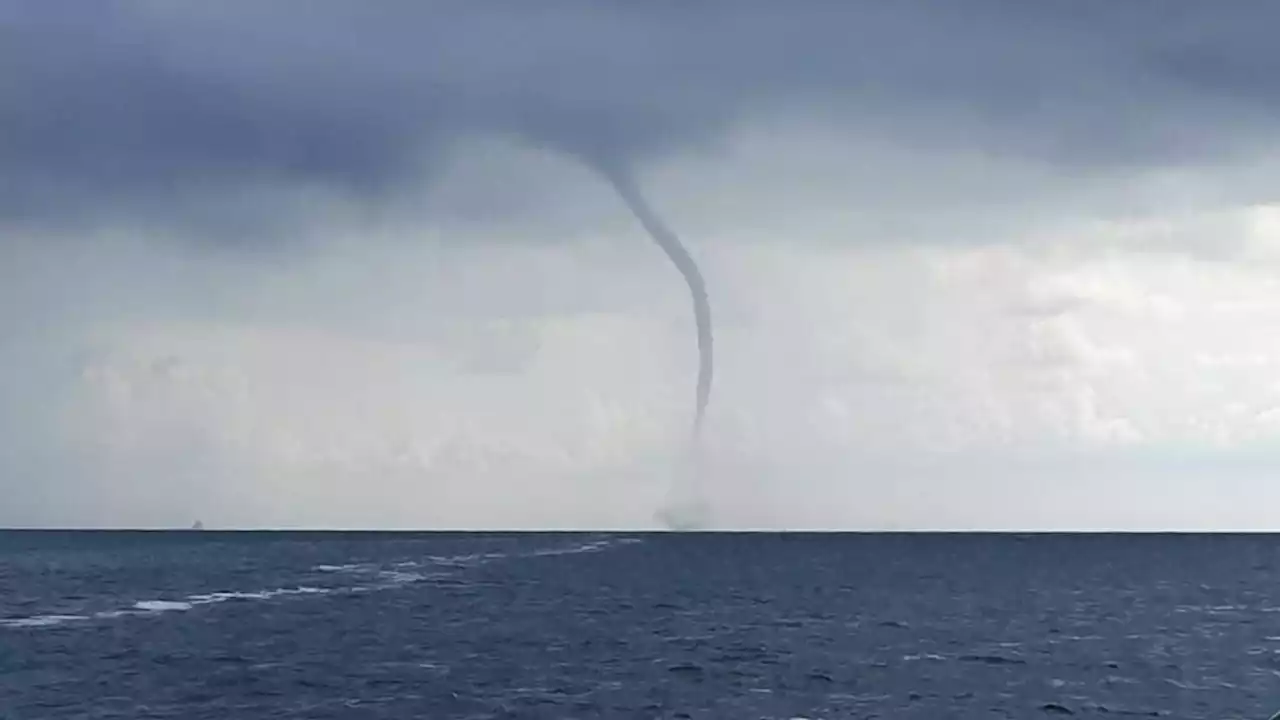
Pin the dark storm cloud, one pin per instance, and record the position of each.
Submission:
(124, 109)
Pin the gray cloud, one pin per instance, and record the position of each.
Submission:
(193, 112)
(240, 122)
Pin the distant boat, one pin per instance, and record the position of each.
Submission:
(198, 525)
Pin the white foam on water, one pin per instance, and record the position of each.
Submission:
(466, 560)
(593, 546)
(408, 572)
(384, 577)
(218, 597)
(452, 561)
(352, 568)
(36, 621)
(400, 577)
(111, 614)
(161, 605)
(924, 656)
(210, 598)
(155, 607)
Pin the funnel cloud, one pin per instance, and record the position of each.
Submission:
(625, 185)
(686, 508)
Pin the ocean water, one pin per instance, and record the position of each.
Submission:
(330, 625)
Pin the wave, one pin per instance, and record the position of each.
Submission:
(161, 605)
(35, 621)
(363, 578)
(593, 546)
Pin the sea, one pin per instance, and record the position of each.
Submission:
(241, 626)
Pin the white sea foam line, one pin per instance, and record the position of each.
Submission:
(924, 656)
(40, 621)
(396, 578)
(474, 559)
(575, 550)
(405, 577)
(466, 560)
(587, 547)
(218, 597)
(110, 614)
(343, 568)
(396, 575)
(155, 607)
(191, 601)
(446, 560)
(161, 605)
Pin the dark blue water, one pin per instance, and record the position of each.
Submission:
(209, 625)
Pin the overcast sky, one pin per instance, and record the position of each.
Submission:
(981, 264)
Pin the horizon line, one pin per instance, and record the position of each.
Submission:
(645, 531)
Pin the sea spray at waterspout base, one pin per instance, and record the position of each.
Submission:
(685, 506)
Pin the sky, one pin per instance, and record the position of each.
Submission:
(327, 263)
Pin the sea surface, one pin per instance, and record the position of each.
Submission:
(242, 626)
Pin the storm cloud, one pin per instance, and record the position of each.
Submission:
(132, 110)
(311, 262)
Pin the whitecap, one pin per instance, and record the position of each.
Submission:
(400, 577)
(350, 568)
(456, 560)
(594, 546)
(218, 597)
(161, 605)
(36, 621)
(110, 614)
